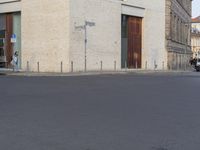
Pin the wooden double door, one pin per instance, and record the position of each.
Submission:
(134, 49)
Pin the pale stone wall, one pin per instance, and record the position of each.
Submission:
(104, 39)
(45, 34)
(49, 34)
(154, 52)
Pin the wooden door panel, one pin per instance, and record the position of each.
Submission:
(134, 42)
(9, 28)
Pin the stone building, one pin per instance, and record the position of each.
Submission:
(90, 35)
(195, 37)
(51, 34)
(124, 33)
(178, 37)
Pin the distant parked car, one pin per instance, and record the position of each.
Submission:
(195, 63)
(197, 67)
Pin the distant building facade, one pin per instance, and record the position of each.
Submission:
(88, 35)
(195, 37)
(178, 33)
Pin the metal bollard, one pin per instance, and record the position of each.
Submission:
(27, 66)
(155, 65)
(163, 65)
(181, 63)
(115, 65)
(61, 67)
(146, 65)
(170, 66)
(126, 66)
(72, 66)
(38, 66)
(101, 65)
(136, 65)
(177, 65)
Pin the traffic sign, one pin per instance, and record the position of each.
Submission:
(13, 38)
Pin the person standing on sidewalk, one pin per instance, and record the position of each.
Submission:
(15, 61)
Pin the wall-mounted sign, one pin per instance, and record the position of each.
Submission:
(13, 38)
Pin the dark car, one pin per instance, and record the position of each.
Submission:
(195, 63)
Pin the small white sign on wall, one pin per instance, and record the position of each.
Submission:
(13, 38)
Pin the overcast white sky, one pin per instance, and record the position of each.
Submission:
(196, 8)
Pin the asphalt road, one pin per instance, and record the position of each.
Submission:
(102, 112)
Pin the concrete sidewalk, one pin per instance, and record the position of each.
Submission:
(10, 72)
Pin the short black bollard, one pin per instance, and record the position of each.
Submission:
(27, 66)
(163, 64)
(38, 66)
(146, 65)
(126, 66)
(72, 66)
(101, 65)
(115, 65)
(61, 67)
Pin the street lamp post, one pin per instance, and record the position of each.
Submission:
(84, 27)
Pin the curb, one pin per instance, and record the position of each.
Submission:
(46, 74)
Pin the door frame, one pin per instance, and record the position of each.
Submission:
(130, 51)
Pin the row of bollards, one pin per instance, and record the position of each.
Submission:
(61, 66)
(178, 66)
(101, 66)
(38, 67)
(146, 65)
(28, 66)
